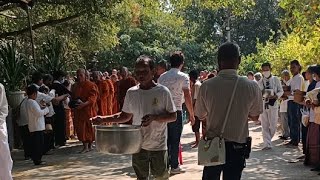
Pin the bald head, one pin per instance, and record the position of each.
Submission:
(97, 76)
(81, 75)
(124, 72)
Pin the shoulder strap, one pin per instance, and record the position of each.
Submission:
(229, 107)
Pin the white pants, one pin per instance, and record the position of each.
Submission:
(5, 156)
(269, 124)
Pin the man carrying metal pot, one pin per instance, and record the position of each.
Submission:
(150, 105)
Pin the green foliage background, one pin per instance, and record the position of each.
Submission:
(106, 34)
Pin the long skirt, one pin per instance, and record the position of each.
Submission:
(69, 124)
(313, 145)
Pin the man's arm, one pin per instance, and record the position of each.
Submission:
(116, 118)
(188, 102)
(166, 117)
(3, 104)
(257, 105)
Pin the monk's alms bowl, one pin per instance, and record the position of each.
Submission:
(118, 139)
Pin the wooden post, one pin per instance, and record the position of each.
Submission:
(31, 36)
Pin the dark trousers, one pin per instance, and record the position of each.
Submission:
(174, 135)
(37, 139)
(25, 136)
(232, 170)
(47, 141)
(59, 127)
(304, 132)
(294, 121)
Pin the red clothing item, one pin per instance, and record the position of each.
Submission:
(85, 91)
(124, 85)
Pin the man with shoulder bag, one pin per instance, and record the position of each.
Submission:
(227, 143)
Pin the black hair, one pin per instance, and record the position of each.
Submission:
(66, 83)
(31, 90)
(250, 73)
(315, 69)
(47, 77)
(144, 58)
(163, 64)
(228, 51)
(194, 74)
(266, 64)
(58, 74)
(36, 77)
(304, 75)
(296, 62)
(176, 59)
(44, 89)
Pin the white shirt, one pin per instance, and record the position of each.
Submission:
(140, 102)
(196, 89)
(274, 84)
(176, 81)
(23, 120)
(212, 104)
(35, 116)
(297, 83)
(311, 110)
(5, 157)
(284, 103)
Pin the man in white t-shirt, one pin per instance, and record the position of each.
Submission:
(294, 113)
(179, 85)
(150, 105)
(271, 88)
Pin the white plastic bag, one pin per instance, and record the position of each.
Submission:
(305, 116)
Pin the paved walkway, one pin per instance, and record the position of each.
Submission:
(67, 164)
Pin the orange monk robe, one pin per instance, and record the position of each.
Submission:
(102, 101)
(124, 85)
(110, 97)
(116, 106)
(85, 91)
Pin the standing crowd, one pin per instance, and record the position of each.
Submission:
(58, 107)
(293, 101)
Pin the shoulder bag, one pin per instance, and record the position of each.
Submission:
(211, 151)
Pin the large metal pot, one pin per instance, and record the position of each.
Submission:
(118, 139)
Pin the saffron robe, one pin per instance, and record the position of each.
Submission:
(85, 91)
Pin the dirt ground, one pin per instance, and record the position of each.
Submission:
(66, 163)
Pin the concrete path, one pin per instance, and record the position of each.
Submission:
(66, 163)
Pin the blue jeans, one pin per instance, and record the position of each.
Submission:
(294, 120)
(174, 135)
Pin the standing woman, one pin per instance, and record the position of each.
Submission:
(312, 148)
(294, 113)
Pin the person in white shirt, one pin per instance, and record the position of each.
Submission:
(150, 105)
(195, 86)
(283, 112)
(5, 157)
(22, 122)
(294, 113)
(36, 124)
(179, 85)
(272, 90)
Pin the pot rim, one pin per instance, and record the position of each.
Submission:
(121, 127)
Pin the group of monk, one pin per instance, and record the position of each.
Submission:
(96, 93)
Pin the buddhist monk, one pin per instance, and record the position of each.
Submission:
(104, 92)
(115, 106)
(124, 84)
(85, 94)
(110, 97)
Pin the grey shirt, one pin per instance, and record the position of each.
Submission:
(213, 101)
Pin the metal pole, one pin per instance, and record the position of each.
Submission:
(228, 30)
(31, 36)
